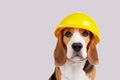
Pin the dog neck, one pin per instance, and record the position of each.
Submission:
(73, 71)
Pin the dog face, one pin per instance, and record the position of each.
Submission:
(76, 41)
(75, 45)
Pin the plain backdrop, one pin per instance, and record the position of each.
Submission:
(27, 38)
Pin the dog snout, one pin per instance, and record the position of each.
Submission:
(77, 46)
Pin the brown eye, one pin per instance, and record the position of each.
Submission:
(68, 34)
(85, 33)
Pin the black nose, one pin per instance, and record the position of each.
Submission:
(77, 46)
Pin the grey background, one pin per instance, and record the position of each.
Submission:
(27, 39)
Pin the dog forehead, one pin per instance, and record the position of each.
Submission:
(75, 35)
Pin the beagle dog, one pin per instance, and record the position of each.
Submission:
(75, 55)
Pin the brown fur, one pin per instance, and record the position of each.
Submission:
(91, 74)
(92, 51)
(66, 39)
(58, 73)
(60, 52)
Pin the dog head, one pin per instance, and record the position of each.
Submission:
(75, 45)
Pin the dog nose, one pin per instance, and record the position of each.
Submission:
(77, 46)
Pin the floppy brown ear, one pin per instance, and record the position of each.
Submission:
(92, 52)
(60, 51)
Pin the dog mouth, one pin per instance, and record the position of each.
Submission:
(77, 58)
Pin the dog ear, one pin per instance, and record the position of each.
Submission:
(60, 51)
(92, 51)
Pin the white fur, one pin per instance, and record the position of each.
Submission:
(73, 71)
(76, 38)
(73, 68)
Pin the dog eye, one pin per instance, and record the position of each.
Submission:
(68, 34)
(85, 34)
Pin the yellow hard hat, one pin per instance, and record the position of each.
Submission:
(79, 20)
